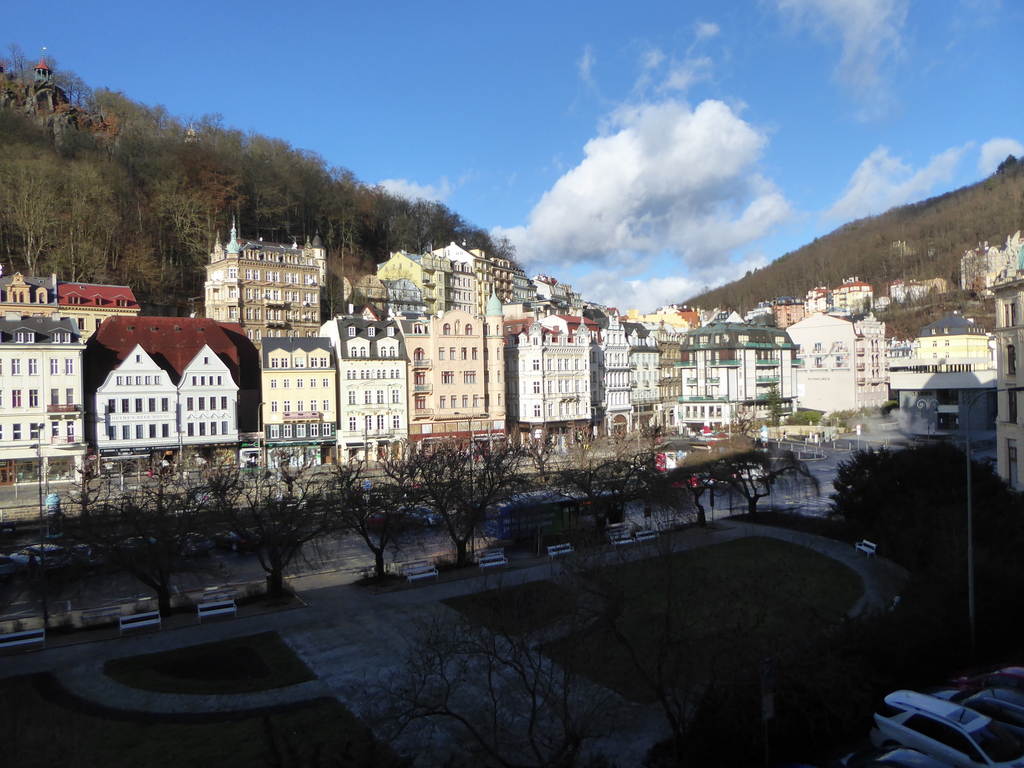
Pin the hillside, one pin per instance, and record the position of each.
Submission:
(912, 242)
(97, 187)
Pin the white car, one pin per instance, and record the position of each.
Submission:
(946, 730)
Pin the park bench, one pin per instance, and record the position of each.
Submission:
(867, 547)
(642, 536)
(619, 534)
(216, 607)
(23, 640)
(557, 550)
(141, 620)
(415, 570)
(492, 558)
(110, 612)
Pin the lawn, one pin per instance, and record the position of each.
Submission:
(685, 617)
(241, 665)
(49, 730)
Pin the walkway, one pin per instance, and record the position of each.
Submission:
(350, 636)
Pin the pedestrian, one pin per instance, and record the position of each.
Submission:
(33, 566)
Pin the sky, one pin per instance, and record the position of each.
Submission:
(637, 150)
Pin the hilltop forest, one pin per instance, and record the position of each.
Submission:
(912, 242)
(97, 187)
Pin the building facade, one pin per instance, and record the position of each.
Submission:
(457, 378)
(272, 291)
(729, 370)
(373, 367)
(644, 374)
(1009, 335)
(299, 407)
(41, 404)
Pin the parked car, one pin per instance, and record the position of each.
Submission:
(55, 556)
(1004, 677)
(7, 567)
(891, 757)
(87, 556)
(423, 516)
(944, 729)
(1004, 705)
(196, 545)
(237, 541)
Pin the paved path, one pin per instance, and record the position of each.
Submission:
(351, 636)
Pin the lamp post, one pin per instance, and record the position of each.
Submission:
(971, 400)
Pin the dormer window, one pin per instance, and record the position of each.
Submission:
(371, 331)
(391, 331)
(351, 331)
(24, 337)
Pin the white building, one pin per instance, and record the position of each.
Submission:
(609, 371)
(373, 376)
(41, 413)
(143, 408)
(844, 363)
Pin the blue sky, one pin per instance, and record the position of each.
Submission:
(637, 150)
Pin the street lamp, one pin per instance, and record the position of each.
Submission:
(971, 400)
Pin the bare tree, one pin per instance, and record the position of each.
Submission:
(504, 700)
(461, 482)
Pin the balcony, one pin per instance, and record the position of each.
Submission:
(56, 409)
(768, 363)
(727, 363)
(276, 323)
(423, 413)
(422, 387)
(691, 381)
(422, 362)
(302, 415)
(65, 440)
(687, 364)
(767, 379)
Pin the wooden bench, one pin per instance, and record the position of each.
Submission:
(557, 550)
(492, 558)
(141, 621)
(23, 640)
(867, 547)
(642, 536)
(416, 570)
(619, 535)
(110, 612)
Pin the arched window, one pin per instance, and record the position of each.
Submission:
(446, 329)
(469, 329)
(419, 354)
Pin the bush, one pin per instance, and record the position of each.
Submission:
(804, 418)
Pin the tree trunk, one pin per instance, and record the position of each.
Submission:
(378, 563)
(275, 583)
(461, 556)
(163, 600)
(752, 507)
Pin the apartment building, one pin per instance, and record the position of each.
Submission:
(729, 369)
(548, 374)
(1009, 343)
(270, 290)
(373, 413)
(299, 407)
(41, 413)
(457, 375)
(644, 374)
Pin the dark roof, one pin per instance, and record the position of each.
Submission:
(952, 325)
(361, 326)
(42, 327)
(726, 336)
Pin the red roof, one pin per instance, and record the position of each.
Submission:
(173, 342)
(92, 295)
(42, 64)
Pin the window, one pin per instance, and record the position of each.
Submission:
(287, 404)
(463, 354)
(474, 353)
(54, 366)
(273, 406)
(469, 377)
(223, 403)
(325, 383)
(33, 398)
(69, 366)
(213, 427)
(165, 404)
(111, 406)
(371, 331)
(420, 402)
(446, 329)
(443, 402)
(223, 427)
(16, 367)
(126, 431)
(536, 388)
(395, 396)
(189, 404)
(165, 430)
(367, 397)
(351, 397)
(536, 411)
(448, 377)
(273, 383)
(440, 354)
(152, 431)
(380, 397)
(1012, 400)
(139, 434)
(202, 429)
(351, 331)
(1011, 359)
(190, 429)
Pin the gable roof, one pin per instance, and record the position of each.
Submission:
(95, 295)
(172, 342)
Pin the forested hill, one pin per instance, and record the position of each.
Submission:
(97, 187)
(912, 242)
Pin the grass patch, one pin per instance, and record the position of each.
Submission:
(707, 612)
(241, 665)
(524, 607)
(38, 733)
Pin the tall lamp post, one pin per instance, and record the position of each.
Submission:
(971, 400)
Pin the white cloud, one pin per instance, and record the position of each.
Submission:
(410, 190)
(882, 181)
(994, 151)
(614, 289)
(871, 34)
(684, 74)
(586, 67)
(660, 178)
(706, 29)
